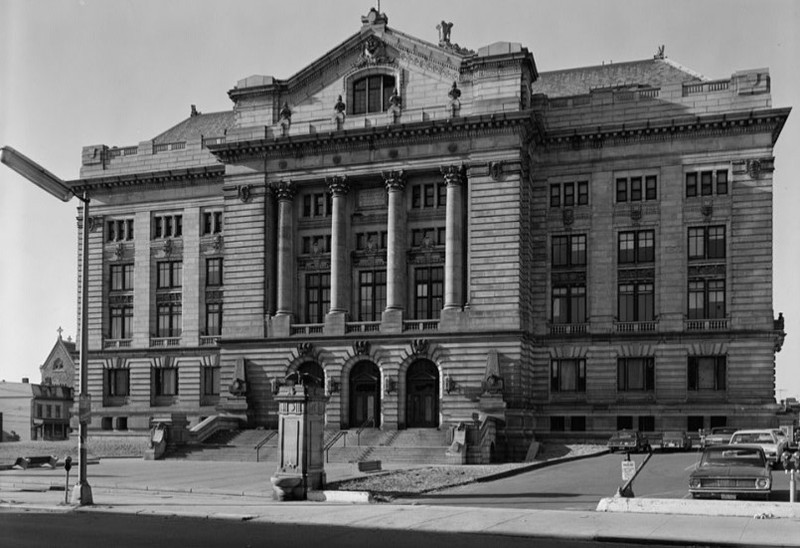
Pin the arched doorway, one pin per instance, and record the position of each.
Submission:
(365, 394)
(422, 395)
(311, 374)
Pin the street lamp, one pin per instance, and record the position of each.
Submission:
(82, 492)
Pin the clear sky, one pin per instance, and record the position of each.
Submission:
(116, 72)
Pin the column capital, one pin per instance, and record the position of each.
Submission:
(394, 180)
(284, 190)
(453, 174)
(338, 185)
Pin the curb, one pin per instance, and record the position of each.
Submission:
(536, 466)
(693, 507)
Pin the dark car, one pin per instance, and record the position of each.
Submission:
(730, 472)
(717, 436)
(628, 441)
(676, 440)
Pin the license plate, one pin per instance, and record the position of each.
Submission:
(727, 497)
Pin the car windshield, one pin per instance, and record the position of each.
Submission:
(756, 437)
(723, 430)
(625, 435)
(732, 457)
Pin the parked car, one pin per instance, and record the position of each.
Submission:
(629, 441)
(730, 472)
(676, 440)
(766, 438)
(717, 436)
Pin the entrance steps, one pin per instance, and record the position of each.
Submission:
(229, 446)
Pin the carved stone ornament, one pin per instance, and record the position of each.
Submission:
(284, 190)
(636, 212)
(496, 171)
(568, 216)
(419, 346)
(243, 193)
(361, 348)
(394, 180)
(95, 223)
(452, 174)
(454, 105)
(119, 251)
(707, 209)
(305, 348)
(754, 168)
(285, 118)
(169, 247)
(374, 53)
(216, 243)
(338, 186)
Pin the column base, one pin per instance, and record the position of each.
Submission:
(335, 323)
(280, 325)
(392, 320)
(81, 494)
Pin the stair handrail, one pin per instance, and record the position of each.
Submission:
(261, 444)
(364, 425)
(333, 440)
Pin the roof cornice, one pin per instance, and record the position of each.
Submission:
(141, 178)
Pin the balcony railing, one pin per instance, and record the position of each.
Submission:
(160, 342)
(635, 327)
(166, 147)
(707, 325)
(420, 325)
(209, 340)
(307, 328)
(109, 344)
(568, 328)
(705, 87)
(362, 327)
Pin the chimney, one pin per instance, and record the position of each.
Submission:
(25, 380)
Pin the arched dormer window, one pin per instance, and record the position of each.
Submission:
(371, 93)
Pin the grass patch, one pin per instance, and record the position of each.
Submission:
(96, 447)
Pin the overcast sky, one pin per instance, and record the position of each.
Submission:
(116, 72)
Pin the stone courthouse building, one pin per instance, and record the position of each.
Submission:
(438, 235)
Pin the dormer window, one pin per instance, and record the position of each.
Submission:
(372, 93)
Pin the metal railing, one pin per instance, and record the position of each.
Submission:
(339, 435)
(263, 442)
(366, 424)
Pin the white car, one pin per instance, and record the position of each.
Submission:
(771, 440)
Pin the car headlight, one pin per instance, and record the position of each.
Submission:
(694, 482)
(762, 483)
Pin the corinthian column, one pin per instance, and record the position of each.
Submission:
(453, 258)
(340, 279)
(392, 319)
(285, 194)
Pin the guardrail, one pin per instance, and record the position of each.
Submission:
(263, 442)
(339, 435)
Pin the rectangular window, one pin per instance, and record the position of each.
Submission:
(213, 319)
(636, 247)
(650, 188)
(569, 194)
(707, 373)
(624, 422)
(636, 189)
(211, 381)
(121, 321)
(647, 423)
(722, 181)
(555, 195)
(57, 409)
(169, 317)
(707, 242)
(635, 374)
(167, 226)
(170, 274)
(557, 423)
(428, 292)
(583, 192)
(568, 375)
(318, 297)
(212, 222)
(117, 382)
(441, 198)
(691, 185)
(165, 381)
(214, 272)
(121, 277)
(372, 295)
(622, 190)
(577, 423)
(569, 304)
(706, 299)
(429, 195)
(568, 250)
(636, 302)
(706, 183)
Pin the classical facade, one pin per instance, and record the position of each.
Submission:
(437, 235)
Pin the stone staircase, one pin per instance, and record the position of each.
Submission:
(230, 446)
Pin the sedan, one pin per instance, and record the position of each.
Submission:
(676, 440)
(730, 472)
(629, 441)
(719, 435)
(766, 438)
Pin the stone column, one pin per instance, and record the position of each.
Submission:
(392, 318)
(340, 277)
(285, 294)
(270, 251)
(453, 259)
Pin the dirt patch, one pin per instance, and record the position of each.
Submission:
(394, 484)
(97, 447)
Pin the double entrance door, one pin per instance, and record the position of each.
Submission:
(365, 401)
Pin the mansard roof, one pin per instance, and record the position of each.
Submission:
(213, 124)
(645, 73)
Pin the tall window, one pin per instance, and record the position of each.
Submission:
(707, 372)
(636, 302)
(170, 274)
(429, 195)
(371, 93)
(635, 374)
(211, 381)
(213, 318)
(568, 375)
(214, 272)
(569, 303)
(165, 381)
(121, 321)
(569, 251)
(120, 301)
(707, 242)
(117, 382)
(318, 297)
(317, 204)
(428, 292)
(212, 222)
(372, 295)
(121, 277)
(169, 320)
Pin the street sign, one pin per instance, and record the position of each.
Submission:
(628, 469)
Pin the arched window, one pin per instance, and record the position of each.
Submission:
(371, 93)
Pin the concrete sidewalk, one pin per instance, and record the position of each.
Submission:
(241, 491)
